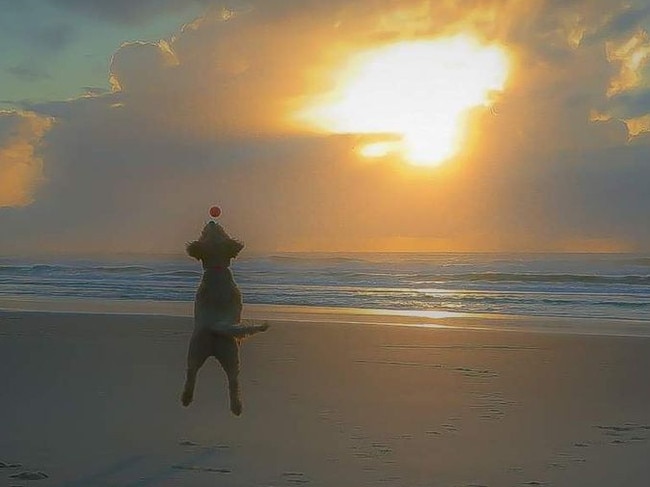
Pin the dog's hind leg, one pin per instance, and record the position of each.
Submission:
(199, 350)
(226, 351)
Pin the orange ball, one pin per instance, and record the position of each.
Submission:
(215, 211)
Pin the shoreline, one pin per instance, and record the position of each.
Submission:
(350, 316)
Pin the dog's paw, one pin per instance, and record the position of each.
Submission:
(236, 407)
(186, 398)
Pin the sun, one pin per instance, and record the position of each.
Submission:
(418, 93)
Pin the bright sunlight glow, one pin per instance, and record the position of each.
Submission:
(419, 91)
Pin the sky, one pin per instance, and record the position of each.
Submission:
(122, 122)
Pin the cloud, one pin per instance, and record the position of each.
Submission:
(21, 166)
(205, 117)
(623, 31)
(630, 55)
(628, 19)
(94, 90)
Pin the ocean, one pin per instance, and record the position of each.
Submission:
(613, 286)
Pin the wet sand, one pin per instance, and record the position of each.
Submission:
(93, 400)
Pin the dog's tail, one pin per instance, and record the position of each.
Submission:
(245, 330)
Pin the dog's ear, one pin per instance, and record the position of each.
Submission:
(194, 249)
(234, 247)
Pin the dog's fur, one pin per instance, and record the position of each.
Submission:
(218, 305)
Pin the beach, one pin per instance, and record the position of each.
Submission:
(92, 399)
(411, 240)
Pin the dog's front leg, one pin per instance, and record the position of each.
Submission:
(199, 350)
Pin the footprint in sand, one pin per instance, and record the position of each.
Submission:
(567, 458)
(195, 445)
(29, 476)
(627, 433)
(491, 405)
(296, 478)
(445, 428)
(201, 469)
(476, 373)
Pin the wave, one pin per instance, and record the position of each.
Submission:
(46, 269)
(120, 269)
(376, 277)
(180, 273)
(312, 259)
(12, 269)
(613, 286)
(37, 268)
(544, 278)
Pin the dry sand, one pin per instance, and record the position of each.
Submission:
(93, 400)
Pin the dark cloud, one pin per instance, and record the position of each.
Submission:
(631, 104)
(115, 183)
(626, 21)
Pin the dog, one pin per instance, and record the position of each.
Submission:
(217, 313)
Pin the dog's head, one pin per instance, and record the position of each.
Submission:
(214, 244)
